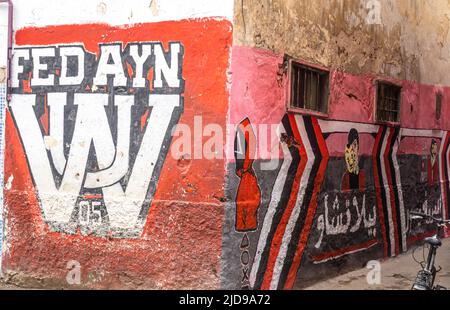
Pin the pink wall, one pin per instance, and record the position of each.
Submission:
(351, 98)
(255, 90)
(336, 144)
(257, 94)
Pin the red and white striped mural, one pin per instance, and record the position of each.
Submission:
(284, 233)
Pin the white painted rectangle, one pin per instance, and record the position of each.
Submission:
(3, 34)
(40, 13)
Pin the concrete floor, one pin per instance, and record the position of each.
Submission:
(396, 273)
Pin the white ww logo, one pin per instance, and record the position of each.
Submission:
(60, 176)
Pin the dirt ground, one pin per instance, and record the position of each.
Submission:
(396, 273)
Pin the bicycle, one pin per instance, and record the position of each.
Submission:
(425, 277)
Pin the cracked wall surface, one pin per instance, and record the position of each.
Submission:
(411, 42)
(59, 230)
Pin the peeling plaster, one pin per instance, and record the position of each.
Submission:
(101, 8)
(411, 43)
(37, 13)
(154, 7)
(8, 184)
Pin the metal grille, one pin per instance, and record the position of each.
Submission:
(309, 88)
(388, 102)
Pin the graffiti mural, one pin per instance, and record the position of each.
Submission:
(422, 186)
(346, 219)
(389, 191)
(91, 154)
(354, 177)
(288, 220)
(2, 135)
(248, 194)
(341, 193)
(94, 132)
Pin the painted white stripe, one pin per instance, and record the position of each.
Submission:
(428, 133)
(388, 194)
(444, 208)
(441, 171)
(344, 254)
(119, 168)
(340, 126)
(441, 166)
(399, 191)
(274, 200)
(38, 13)
(331, 126)
(55, 140)
(3, 35)
(298, 204)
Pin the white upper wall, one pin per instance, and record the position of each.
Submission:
(115, 12)
(3, 34)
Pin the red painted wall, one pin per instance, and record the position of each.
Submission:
(181, 242)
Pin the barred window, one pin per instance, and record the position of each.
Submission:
(309, 88)
(388, 102)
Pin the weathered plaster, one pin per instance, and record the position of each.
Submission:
(180, 242)
(2, 75)
(37, 13)
(258, 93)
(411, 43)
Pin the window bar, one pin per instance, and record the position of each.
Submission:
(294, 87)
(305, 91)
(318, 108)
(310, 90)
(302, 87)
